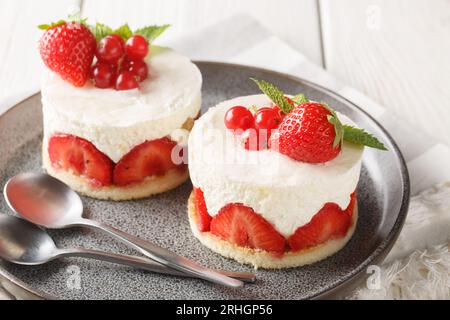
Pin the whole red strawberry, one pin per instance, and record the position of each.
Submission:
(68, 49)
(309, 133)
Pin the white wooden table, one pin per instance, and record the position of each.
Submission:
(397, 52)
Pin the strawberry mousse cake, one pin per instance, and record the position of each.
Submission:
(275, 179)
(117, 110)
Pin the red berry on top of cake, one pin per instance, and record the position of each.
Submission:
(275, 178)
(117, 109)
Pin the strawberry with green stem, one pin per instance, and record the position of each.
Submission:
(68, 48)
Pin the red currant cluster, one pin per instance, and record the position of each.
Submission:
(120, 64)
(254, 129)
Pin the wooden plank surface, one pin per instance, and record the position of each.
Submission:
(295, 22)
(20, 65)
(396, 52)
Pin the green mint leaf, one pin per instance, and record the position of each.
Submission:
(276, 95)
(300, 98)
(99, 30)
(360, 136)
(124, 31)
(152, 32)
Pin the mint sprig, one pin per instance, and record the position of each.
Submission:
(152, 32)
(276, 95)
(360, 136)
(351, 133)
(100, 30)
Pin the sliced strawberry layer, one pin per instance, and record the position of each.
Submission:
(240, 225)
(203, 217)
(244, 227)
(331, 222)
(78, 155)
(147, 159)
(71, 153)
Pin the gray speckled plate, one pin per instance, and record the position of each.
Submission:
(383, 201)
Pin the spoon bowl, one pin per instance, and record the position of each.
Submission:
(22, 242)
(43, 200)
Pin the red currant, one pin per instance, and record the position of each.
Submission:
(138, 67)
(109, 49)
(267, 118)
(239, 118)
(137, 47)
(103, 75)
(278, 111)
(120, 39)
(126, 81)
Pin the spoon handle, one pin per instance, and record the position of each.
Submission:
(142, 263)
(164, 256)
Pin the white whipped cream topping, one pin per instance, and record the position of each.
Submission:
(116, 121)
(287, 193)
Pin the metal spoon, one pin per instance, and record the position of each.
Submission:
(46, 201)
(24, 243)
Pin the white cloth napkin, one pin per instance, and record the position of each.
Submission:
(422, 244)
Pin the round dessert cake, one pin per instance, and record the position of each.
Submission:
(122, 145)
(262, 207)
